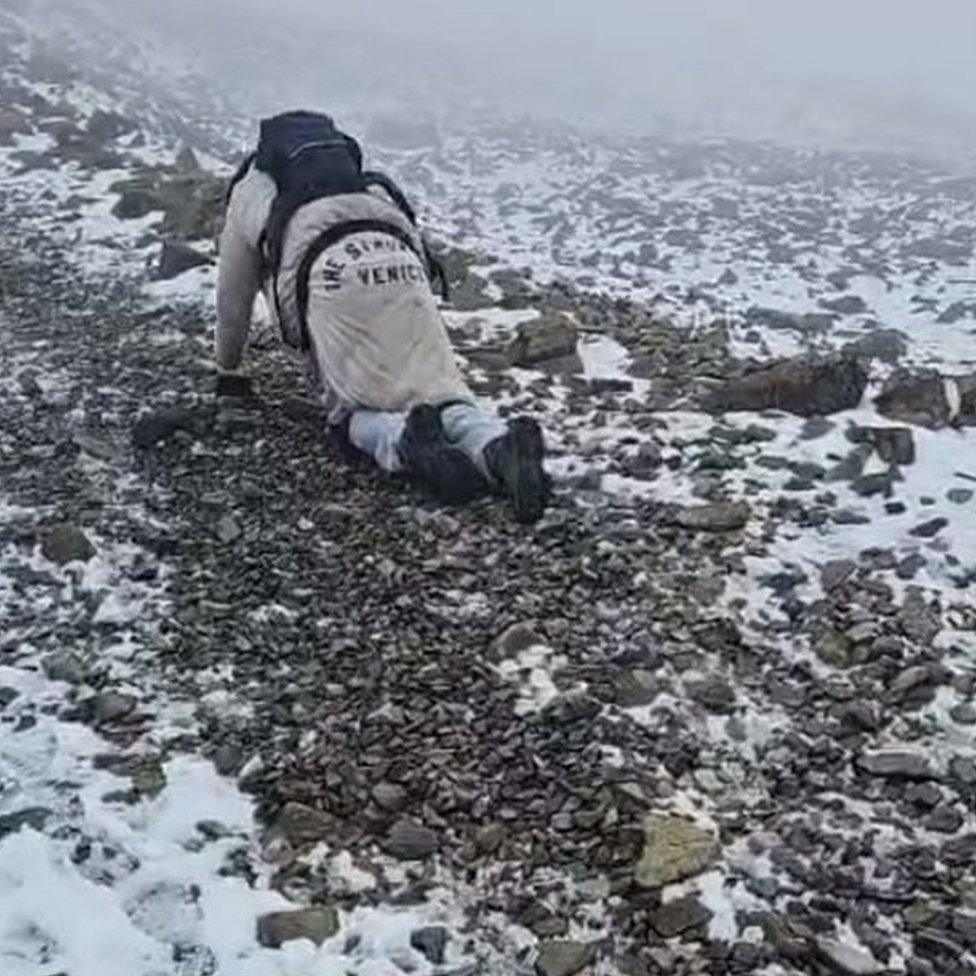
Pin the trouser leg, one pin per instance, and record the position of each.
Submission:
(470, 429)
(377, 434)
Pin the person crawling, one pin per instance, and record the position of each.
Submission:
(349, 280)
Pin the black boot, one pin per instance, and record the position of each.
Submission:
(515, 462)
(429, 456)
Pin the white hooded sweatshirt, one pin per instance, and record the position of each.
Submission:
(377, 338)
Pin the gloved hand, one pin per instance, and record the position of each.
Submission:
(233, 385)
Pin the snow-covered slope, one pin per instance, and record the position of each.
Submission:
(754, 621)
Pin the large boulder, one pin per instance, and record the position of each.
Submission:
(807, 387)
(551, 336)
(929, 399)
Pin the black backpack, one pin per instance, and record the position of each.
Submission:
(309, 158)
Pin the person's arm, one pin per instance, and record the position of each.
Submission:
(238, 282)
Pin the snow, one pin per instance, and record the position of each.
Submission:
(153, 879)
(533, 669)
(163, 885)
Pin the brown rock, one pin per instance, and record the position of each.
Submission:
(317, 924)
(804, 386)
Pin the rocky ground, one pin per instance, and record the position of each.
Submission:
(275, 713)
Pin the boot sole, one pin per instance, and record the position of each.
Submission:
(530, 490)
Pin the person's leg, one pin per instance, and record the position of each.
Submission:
(416, 444)
(471, 429)
(509, 454)
(378, 434)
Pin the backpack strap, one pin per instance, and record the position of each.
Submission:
(436, 270)
(372, 177)
(330, 236)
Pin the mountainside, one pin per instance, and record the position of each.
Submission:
(713, 715)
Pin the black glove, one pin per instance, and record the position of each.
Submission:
(233, 385)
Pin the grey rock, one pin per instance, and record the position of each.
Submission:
(410, 841)
(541, 920)
(836, 572)
(894, 764)
(909, 681)
(715, 694)
(834, 648)
(845, 305)
(34, 817)
(807, 387)
(675, 917)
(65, 543)
(515, 639)
(389, 796)
(96, 447)
(960, 851)
(869, 485)
(431, 941)
(228, 529)
(920, 398)
(186, 160)
(563, 958)
(719, 517)
(161, 425)
(227, 760)
(316, 924)
(963, 714)
(844, 516)
(929, 529)
(674, 849)
(851, 467)
(191, 203)
(176, 259)
(895, 445)
(551, 336)
(300, 824)
(909, 567)
(104, 125)
(846, 959)
(919, 622)
(963, 770)
(633, 689)
(112, 706)
(64, 666)
(959, 496)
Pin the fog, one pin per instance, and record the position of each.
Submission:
(861, 69)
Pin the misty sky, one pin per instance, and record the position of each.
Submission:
(928, 45)
(876, 61)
